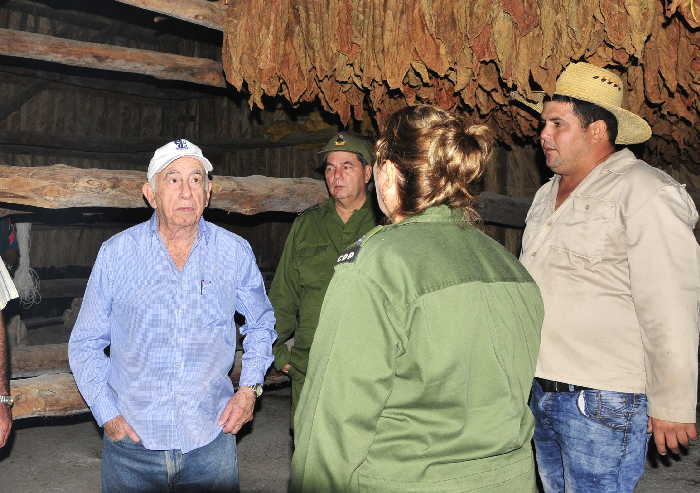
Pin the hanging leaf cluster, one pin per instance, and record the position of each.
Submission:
(375, 56)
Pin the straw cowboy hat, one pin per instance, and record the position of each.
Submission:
(601, 87)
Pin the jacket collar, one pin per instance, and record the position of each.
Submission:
(439, 213)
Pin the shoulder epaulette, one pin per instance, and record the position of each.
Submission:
(351, 253)
(301, 213)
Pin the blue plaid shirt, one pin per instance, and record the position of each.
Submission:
(171, 333)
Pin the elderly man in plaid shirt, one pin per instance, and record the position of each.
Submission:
(162, 296)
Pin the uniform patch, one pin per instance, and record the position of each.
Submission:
(349, 255)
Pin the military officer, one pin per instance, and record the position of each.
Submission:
(316, 239)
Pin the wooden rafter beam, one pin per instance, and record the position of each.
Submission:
(60, 186)
(61, 11)
(58, 395)
(500, 209)
(156, 64)
(30, 361)
(203, 13)
(46, 395)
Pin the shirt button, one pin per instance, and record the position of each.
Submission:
(534, 254)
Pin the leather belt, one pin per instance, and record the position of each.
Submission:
(554, 386)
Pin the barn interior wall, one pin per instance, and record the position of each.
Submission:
(60, 109)
(57, 115)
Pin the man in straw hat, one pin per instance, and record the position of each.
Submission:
(609, 240)
(162, 295)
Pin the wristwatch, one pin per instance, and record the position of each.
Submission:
(257, 388)
(7, 400)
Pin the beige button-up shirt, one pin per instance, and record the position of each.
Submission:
(619, 270)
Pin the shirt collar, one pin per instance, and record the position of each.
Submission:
(619, 161)
(330, 206)
(204, 228)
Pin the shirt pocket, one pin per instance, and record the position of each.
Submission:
(315, 264)
(585, 228)
(210, 319)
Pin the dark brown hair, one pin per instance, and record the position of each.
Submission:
(437, 154)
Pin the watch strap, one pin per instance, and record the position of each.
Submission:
(256, 388)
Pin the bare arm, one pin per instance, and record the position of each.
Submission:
(5, 413)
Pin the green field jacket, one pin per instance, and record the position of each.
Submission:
(316, 239)
(421, 367)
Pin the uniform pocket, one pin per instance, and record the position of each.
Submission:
(315, 265)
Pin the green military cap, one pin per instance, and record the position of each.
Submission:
(348, 142)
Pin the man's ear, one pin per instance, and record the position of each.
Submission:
(367, 170)
(150, 195)
(599, 131)
(208, 193)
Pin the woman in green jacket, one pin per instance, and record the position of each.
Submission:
(425, 351)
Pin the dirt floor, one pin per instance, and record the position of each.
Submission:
(63, 456)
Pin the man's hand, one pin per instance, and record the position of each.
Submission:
(5, 424)
(117, 428)
(668, 435)
(285, 368)
(238, 411)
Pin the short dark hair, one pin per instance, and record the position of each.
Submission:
(588, 113)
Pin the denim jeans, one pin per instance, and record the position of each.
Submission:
(128, 467)
(589, 441)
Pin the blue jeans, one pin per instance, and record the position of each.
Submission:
(128, 467)
(589, 441)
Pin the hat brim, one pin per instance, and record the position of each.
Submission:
(631, 128)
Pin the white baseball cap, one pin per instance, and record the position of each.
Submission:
(175, 150)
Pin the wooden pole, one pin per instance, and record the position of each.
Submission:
(30, 361)
(107, 57)
(60, 186)
(208, 14)
(46, 395)
(58, 395)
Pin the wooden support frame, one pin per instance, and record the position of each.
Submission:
(46, 395)
(60, 186)
(31, 361)
(156, 64)
(203, 13)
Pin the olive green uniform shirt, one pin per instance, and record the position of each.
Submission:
(318, 236)
(422, 365)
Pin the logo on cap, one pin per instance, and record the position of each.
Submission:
(181, 144)
(340, 140)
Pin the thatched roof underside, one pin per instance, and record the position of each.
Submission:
(360, 56)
